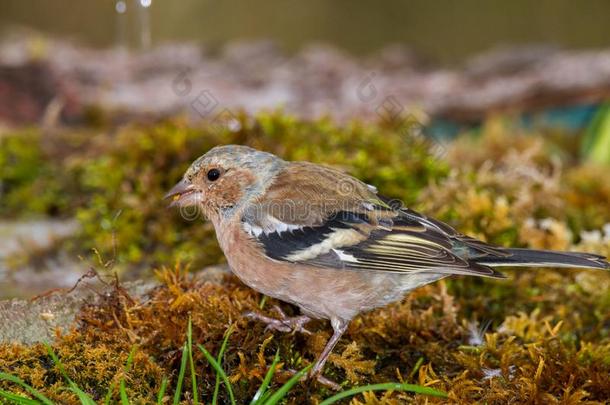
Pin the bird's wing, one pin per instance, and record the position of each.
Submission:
(318, 216)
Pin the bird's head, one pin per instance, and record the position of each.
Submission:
(224, 179)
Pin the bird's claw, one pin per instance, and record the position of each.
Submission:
(284, 323)
(328, 383)
(319, 378)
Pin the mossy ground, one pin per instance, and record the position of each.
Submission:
(548, 339)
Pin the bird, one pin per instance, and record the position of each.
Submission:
(318, 238)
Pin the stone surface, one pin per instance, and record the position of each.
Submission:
(18, 239)
(32, 321)
(318, 80)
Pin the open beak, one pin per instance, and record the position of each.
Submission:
(179, 193)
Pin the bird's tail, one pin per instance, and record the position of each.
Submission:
(546, 258)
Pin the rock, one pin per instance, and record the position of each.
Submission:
(28, 322)
(317, 80)
(33, 239)
(33, 321)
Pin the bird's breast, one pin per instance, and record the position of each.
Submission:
(248, 261)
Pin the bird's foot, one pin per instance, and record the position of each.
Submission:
(326, 382)
(319, 378)
(284, 323)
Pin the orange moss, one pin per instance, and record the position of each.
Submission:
(559, 351)
(549, 339)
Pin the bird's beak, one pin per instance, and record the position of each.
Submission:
(179, 192)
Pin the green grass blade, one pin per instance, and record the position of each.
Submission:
(17, 399)
(108, 396)
(123, 393)
(264, 397)
(161, 393)
(416, 368)
(596, 139)
(57, 362)
(283, 390)
(265, 384)
(219, 358)
(219, 371)
(178, 391)
(82, 396)
(27, 387)
(261, 305)
(122, 385)
(189, 338)
(418, 389)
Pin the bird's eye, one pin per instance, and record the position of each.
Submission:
(213, 174)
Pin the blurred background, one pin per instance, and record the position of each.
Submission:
(449, 32)
(104, 103)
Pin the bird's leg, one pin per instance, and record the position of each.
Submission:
(320, 378)
(339, 327)
(284, 323)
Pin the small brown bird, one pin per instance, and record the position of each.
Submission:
(328, 243)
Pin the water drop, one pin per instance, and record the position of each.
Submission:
(120, 7)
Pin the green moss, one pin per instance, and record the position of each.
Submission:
(549, 339)
(113, 183)
(28, 179)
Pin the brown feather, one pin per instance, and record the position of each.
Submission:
(307, 194)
